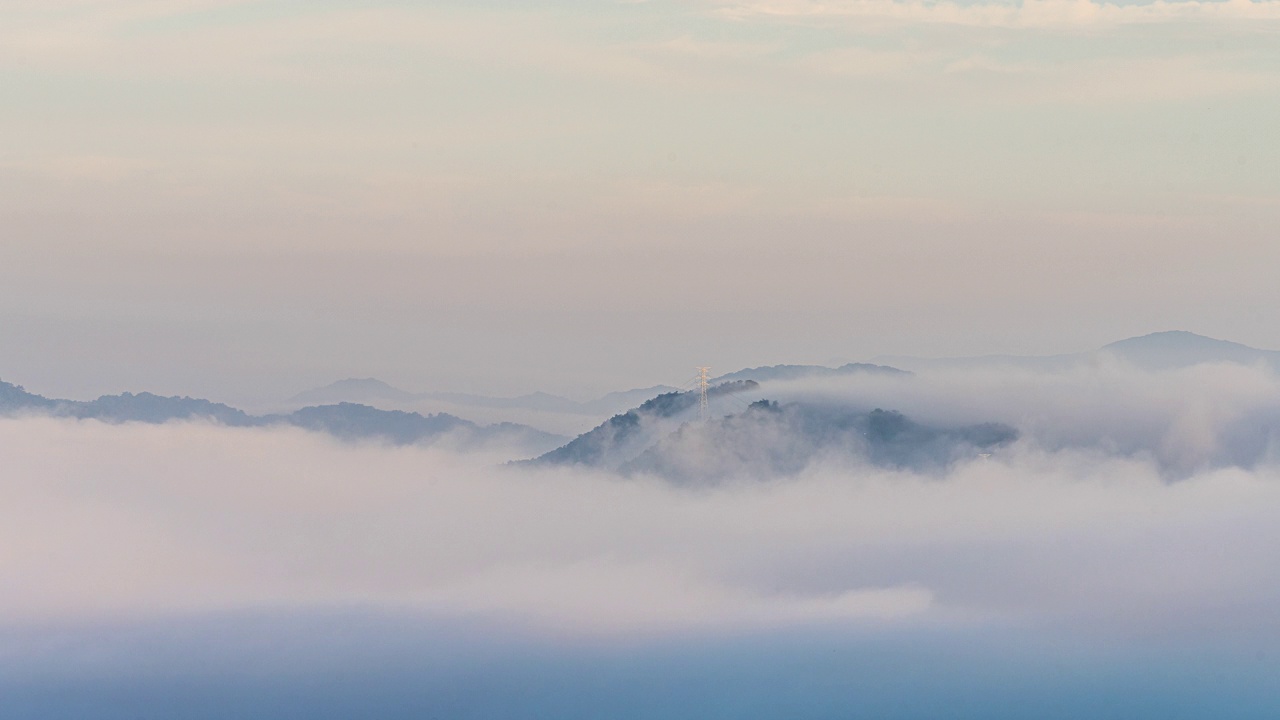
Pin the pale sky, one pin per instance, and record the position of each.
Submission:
(245, 199)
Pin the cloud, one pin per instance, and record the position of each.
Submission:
(1183, 420)
(606, 597)
(1077, 527)
(1029, 14)
(188, 518)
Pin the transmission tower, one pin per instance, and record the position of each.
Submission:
(703, 380)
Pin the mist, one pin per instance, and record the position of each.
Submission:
(1124, 529)
(339, 341)
(1183, 420)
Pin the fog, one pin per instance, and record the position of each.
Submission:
(1114, 533)
(103, 521)
(1183, 420)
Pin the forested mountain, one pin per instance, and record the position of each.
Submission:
(766, 439)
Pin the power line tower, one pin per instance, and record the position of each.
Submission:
(703, 380)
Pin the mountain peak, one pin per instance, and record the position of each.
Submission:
(1172, 339)
(1179, 348)
(363, 384)
(352, 390)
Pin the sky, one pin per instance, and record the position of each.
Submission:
(244, 199)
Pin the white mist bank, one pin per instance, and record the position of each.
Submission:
(100, 521)
(1185, 420)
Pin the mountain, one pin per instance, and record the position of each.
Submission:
(545, 402)
(618, 401)
(347, 421)
(1037, 363)
(765, 440)
(538, 401)
(14, 398)
(354, 390)
(350, 421)
(370, 391)
(798, 372)
(769, 440)
(148, 408)
(1166, 350)
(1177, 348)
(622, 437)
(125, 407)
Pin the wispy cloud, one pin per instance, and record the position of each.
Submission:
(1028, 14)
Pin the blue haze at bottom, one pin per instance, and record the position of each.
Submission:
(357, 664)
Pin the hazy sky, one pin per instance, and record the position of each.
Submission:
(245, 199)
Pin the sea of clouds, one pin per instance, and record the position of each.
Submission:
(1137, 510)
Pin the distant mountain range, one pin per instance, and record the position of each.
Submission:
(371, 391)
(348, 421)
(357, 390)
(773, 373)
(651, 436)
(768, 439)
(1176, 348)
(1157, 351)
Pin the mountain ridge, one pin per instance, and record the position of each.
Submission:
(346, 421)
(770, 373)
(1162, 350)
(765, 440)
(371, 390)
(339, 390)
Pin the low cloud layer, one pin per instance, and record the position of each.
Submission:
(1183, 420)
(1078, 525)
